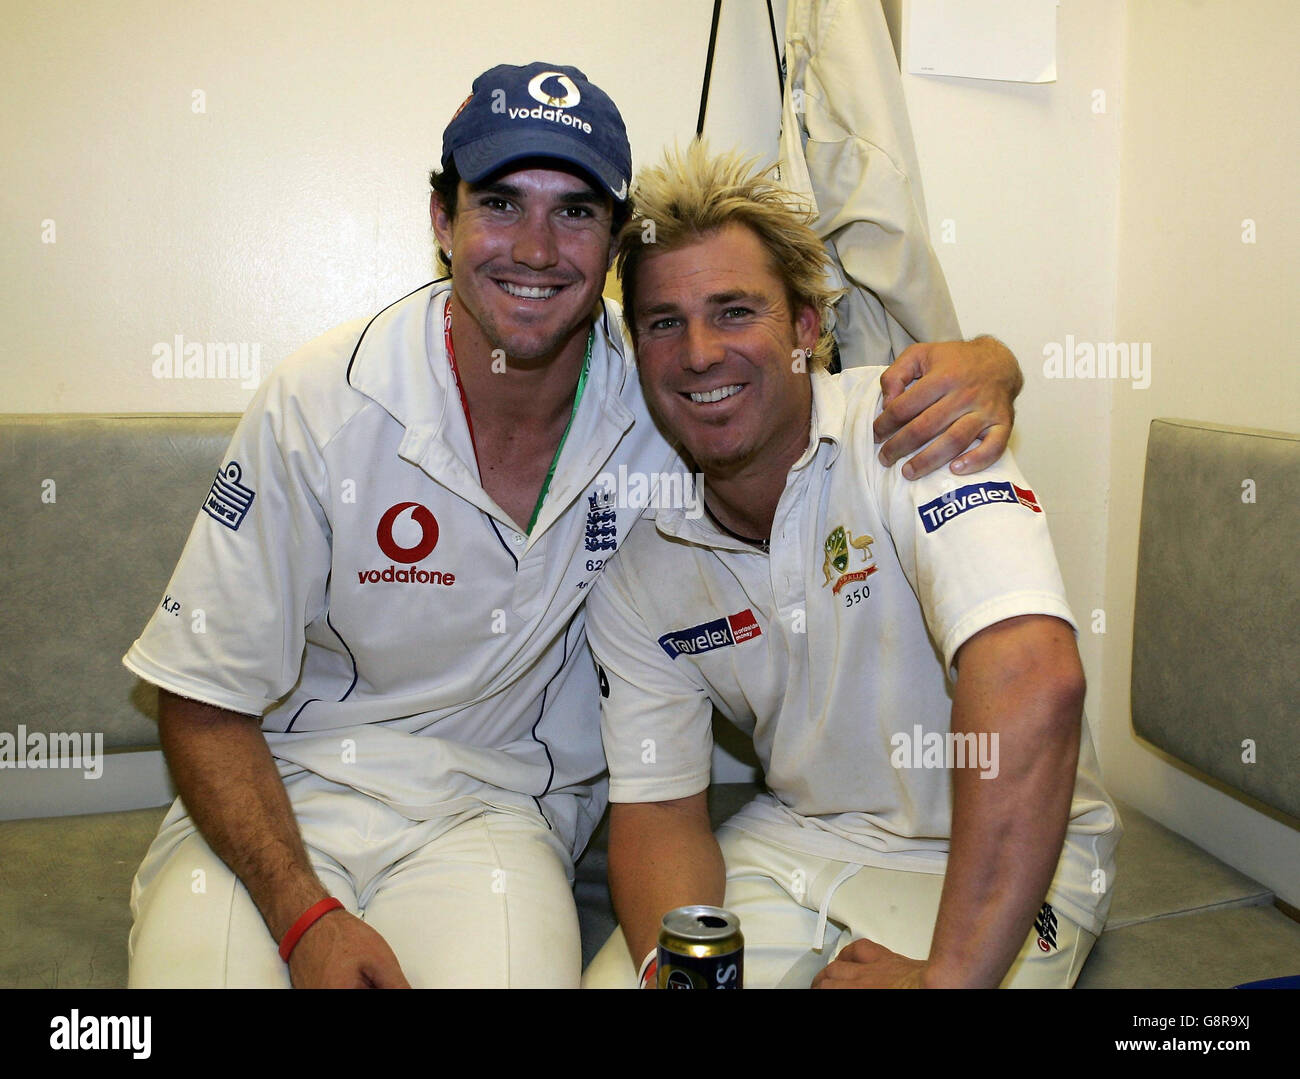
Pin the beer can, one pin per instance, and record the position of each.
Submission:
(701, 948)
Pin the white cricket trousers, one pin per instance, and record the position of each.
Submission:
(797, 911)
(481, 900)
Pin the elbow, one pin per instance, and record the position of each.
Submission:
(1039, 677)
(1057, 686)
(1065, 687)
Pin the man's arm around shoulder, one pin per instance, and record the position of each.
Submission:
(955, 395)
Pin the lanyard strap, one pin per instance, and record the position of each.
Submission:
(455, 374)
(464, 404)
(550, 472)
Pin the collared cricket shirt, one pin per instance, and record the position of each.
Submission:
(833, 651)
(349, 579)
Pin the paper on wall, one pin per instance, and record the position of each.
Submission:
(1011, 40)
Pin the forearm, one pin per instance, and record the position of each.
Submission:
(1007, 829)
(662, 855)
(224, 772)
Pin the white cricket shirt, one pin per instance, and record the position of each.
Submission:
(832, 651)
(349, 579)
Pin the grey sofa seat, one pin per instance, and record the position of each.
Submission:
(65, 887)
(1180, 917)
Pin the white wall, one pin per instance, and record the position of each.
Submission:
(1026, 178)
(1126, 225)
(297, 198)
(1211, 111)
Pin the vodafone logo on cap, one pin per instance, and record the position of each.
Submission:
(571, 94)
(398, 528)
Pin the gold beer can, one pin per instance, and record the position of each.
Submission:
(701, 947)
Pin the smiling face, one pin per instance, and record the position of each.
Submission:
(530, 249)
(716, 344)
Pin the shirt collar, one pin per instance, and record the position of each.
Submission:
(828, 418)
(400, 360)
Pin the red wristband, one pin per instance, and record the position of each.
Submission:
(646, 977)
(309, 918)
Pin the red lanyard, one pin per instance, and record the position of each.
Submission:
(455, 373)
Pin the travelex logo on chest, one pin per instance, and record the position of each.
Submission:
(720, 633)
(935, 514)
(407, 533)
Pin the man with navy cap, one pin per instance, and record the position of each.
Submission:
(385, 737)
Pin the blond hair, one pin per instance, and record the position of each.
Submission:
(693, 194)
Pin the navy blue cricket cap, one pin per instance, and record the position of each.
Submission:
(541, 110)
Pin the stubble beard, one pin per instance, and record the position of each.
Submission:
(524, 347)
(713, 465)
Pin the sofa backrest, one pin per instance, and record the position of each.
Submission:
(95, 512)
(1216, 630)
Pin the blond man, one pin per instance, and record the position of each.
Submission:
(901, 653)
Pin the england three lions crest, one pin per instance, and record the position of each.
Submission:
(601, 532)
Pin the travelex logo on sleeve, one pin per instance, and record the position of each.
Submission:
(934, 515)
(720, 633)
(229, 501)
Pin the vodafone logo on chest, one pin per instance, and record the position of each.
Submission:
(407, 534)
(419, 516)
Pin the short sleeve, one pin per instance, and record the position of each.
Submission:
(231, 628)
(976, 549)
(655, 722)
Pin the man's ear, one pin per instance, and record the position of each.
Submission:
(807, 326)
(441, 221)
